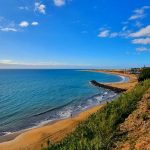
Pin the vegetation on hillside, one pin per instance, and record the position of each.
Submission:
(134, 132)
(145, 74)
(98, 131)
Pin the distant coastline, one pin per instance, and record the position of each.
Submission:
(125, 78)
(130, 82)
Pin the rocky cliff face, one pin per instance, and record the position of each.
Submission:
(134, 132)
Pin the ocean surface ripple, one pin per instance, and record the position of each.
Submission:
(30, 98)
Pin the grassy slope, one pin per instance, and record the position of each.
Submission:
(99, 130)
(134, 132)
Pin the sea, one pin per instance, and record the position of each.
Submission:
(31, 98)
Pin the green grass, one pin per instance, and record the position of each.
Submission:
(99, 130)
(145, 74)
(145, 116)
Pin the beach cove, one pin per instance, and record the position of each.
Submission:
(33, 138)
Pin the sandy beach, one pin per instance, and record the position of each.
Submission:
(124, 85)
(34, 138)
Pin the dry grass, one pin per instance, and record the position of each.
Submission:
(135, 131)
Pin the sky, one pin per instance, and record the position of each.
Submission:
(74, 33)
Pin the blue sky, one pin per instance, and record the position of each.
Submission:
(74, 33)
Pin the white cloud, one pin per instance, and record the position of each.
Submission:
(124, 28)
(104, 33)
(142, 32)
(34, 23)
(7, 25)
(107, 33)
(8, 29)
(24, 8)
(6, 61)
(139, 13)
(24, 24)
(142, 49)
(49, 63)
(59, 2)
(114, 34)
(41, 8)
(144, 41)
(138, 24)
(146, 7)
(140, 36)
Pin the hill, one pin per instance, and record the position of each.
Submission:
(100, 130)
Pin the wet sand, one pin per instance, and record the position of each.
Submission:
(33, 139)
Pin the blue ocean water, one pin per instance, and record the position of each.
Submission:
(33, 97)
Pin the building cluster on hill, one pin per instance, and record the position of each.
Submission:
(135, 70)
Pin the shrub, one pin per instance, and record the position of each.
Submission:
(148, 105)
(145, 116)
(145, 74)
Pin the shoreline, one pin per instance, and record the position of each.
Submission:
(125, 77)
(132, 79)
(56, 130)
(12, 135)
